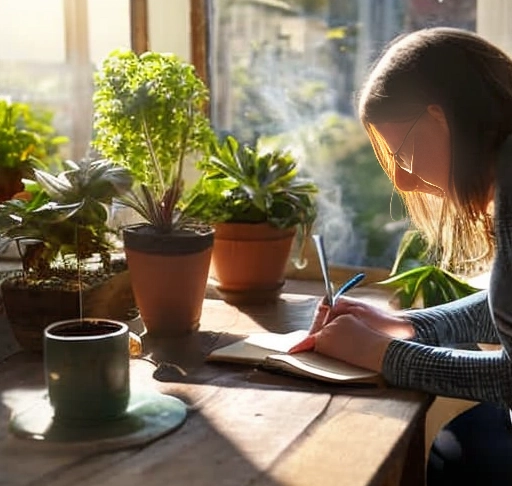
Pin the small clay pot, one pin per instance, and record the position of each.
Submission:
(10, 182)
(249, 261)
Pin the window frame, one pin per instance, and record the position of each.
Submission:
(199, 46)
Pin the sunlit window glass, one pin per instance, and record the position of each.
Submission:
(284, 74)
(49, 50)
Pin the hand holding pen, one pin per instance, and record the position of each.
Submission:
(309, 342)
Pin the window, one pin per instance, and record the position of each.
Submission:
(281, 72)
(49, 50)
(287, 80)
(50, 62)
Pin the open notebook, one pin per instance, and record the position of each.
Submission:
(269, 350)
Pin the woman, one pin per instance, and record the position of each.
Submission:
(437, 107)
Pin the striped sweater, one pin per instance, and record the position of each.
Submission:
(431, 363)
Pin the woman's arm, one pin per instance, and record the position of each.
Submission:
(472, 375)
(500, 289)
(466, 320)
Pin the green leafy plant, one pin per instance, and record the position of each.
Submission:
(149, 116)
(418, 284)
(27, 137)
(65, 215)
(26, 134)
(238, 184)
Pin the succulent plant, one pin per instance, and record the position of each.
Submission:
(65, 214)
(240, 184)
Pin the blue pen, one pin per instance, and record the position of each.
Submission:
(308, 343)
(349, 284)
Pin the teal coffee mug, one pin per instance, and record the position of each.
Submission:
(87, 364)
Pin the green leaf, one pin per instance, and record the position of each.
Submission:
(150, 115)
(56, 187)
(411, 252)
(430, 284)
(53, 212)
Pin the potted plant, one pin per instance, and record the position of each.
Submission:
(417, 282)
(25, 135)
(149, 117)
(258, 203)
(65, 245)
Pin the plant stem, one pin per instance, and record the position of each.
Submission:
(152, 155)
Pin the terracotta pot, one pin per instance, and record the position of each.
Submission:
(249, 261)
(169, 272)
(30, 310)
(10, 182)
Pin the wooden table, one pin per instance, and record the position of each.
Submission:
(245, 426)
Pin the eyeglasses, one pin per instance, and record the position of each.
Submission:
(405, 164)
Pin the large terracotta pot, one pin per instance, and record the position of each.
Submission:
(169, 272)
(249, 261)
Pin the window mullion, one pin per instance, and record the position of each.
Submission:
(139, 26)
(76, 30)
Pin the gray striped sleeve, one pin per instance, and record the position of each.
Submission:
(500, 290)
(472, 375)
(466, 320)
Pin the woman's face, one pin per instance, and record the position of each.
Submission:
(421, 152)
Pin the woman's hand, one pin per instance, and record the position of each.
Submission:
(377, 319)
(347, 338)
(323, 315)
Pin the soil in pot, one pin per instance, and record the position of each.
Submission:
(31, 305)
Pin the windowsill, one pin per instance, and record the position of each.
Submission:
(307, 282)
(372, 294)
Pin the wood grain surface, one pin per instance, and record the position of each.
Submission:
(244, 426)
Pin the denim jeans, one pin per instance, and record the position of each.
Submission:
(475, 448)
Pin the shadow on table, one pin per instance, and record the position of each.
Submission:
(212, 443)
(183, 361)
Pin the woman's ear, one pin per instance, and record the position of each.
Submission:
(436, 112)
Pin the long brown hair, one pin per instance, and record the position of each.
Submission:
(471, 80)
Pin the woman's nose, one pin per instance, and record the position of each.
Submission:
(405, 181)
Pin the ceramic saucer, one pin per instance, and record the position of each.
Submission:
(149, 415)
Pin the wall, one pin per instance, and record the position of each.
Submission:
(494, 22)
(169, 26)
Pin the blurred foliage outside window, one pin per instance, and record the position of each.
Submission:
(284, 73)
(48, 53)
